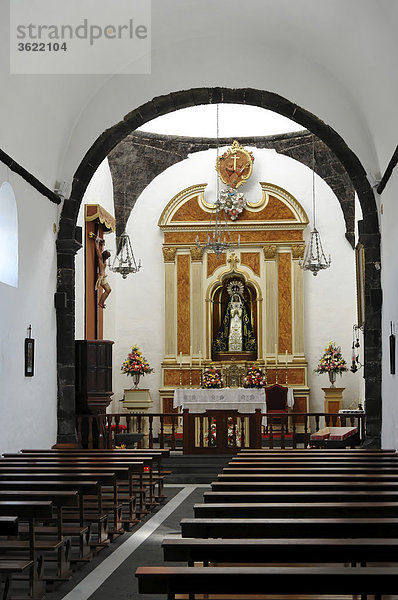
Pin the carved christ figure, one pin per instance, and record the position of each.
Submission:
(102, 257)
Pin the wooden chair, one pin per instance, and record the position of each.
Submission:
(276, 401)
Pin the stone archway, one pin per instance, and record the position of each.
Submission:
(67, 244)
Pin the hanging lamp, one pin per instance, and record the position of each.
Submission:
(218, 237)
(124, 261)
(314, 258)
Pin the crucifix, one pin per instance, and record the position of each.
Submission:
(235, 158)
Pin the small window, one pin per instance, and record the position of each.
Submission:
(8, 236)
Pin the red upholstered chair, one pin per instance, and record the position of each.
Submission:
(276, 401)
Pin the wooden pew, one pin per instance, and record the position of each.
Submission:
(290, 528)
(8, 526)
(340, 468)
(82, 488)
(10, 567)
(120, 472)
(83, 531)
(309, 476)
(269, 580)
(339, 451)
(255, 459)
(125, 471)
(310, 485)
(141, 476)
(155, 473)
(255, 520)
(299, 510)
(304, 496)
(298, 550)
(31, 512)
(155, 453)
(59, 500)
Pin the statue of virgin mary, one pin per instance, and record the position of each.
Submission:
(236, 332)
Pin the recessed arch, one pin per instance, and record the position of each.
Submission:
(8, 236)
(161, 105)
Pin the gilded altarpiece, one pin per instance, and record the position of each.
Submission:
(266, 263)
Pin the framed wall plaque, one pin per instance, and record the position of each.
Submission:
(29, 357)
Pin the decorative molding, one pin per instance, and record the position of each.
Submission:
(93, 212)
(269, 251)
(196, 254)
(233, 260)
(177, 201)
(298, 250)
(169, 254)
(235, 226)
(285, 197)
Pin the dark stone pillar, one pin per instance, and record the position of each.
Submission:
(66, 405)
(372, 339)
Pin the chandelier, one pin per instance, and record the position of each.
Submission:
(218, 238)
(314, 258)
(124, 261)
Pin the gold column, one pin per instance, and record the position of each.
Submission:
(170, 329)
(298, 300)
(197, 299)
(183, 304)
(270, 305)
(284, 303)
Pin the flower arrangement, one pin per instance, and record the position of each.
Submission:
(120, 427)
(254, 378)
(135, 363)
(212, 378)
(332, 361)
(211, 436)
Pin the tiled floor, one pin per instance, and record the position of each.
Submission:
(110, 575)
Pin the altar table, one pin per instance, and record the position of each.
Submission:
(241, 399)
(200, 400)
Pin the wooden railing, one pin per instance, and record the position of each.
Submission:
(194, 433)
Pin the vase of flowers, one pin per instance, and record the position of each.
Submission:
(254, 378)
(332, 363)
(135, 365)
(212, 378)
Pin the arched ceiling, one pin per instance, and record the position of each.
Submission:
(335, 58)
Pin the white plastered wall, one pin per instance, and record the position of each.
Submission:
(389, 278)
(29, 404)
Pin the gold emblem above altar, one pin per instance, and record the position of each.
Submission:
(235, 166)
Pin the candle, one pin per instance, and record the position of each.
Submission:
(286, 358)
(265, 359)
(200, 358)
(276, 352)
(180, 360)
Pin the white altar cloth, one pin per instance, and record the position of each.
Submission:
(244, 400)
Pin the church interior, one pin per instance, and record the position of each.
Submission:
(225, 215)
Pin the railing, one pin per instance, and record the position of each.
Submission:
(211, 432)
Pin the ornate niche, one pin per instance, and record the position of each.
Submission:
(223, 348)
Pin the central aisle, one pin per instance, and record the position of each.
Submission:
(111, 573)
